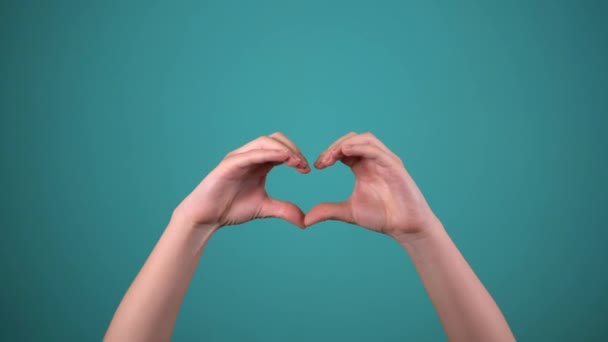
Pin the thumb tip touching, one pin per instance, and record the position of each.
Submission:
(319, 213)
(327, 211)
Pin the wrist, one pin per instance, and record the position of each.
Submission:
(183, 221)
(428, 231)
(186, 236)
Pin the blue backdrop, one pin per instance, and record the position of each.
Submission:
(112, 111)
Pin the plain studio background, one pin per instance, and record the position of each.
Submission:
(112, 111)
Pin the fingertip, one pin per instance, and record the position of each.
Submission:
(318, 161)
(299, 222)
(305, 165)
(300, 166)
(312, 217)
(308, 222)
(292, 161)
(305, 170)
(326, 160)
(330, 162)
(304, 159)
(328, 211)
(292, 213)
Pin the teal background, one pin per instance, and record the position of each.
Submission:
(112, 111)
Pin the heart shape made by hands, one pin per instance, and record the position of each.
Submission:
(384, 197)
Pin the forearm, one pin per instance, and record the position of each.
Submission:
(465, 308)
(149, 308)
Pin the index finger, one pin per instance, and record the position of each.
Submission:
(282, 138)
(335, 143)
(263, 156)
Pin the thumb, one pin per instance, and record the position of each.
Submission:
(329, 211)
(282, 209)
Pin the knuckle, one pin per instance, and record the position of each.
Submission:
(265, 139)
(369, 135)
(228, 158)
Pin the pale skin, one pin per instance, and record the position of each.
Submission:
(385, 199)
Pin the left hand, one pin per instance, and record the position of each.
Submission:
(234, 192)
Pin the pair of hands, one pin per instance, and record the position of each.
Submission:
(384, 199)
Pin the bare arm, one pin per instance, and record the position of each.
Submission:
(466, 309)
(386, 199)
(233, 193)
(149, 308)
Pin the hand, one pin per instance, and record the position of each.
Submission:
(385, 198)
(234, 192)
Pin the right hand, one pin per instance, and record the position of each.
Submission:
(234, 192)
(385, 198)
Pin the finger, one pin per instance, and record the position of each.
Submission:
(329, 211)
(282, 209)
(266, 142)
(335, 143)
(280, 137)
(349, 152)
(364, 138)
(263, 156)
(285, 140)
